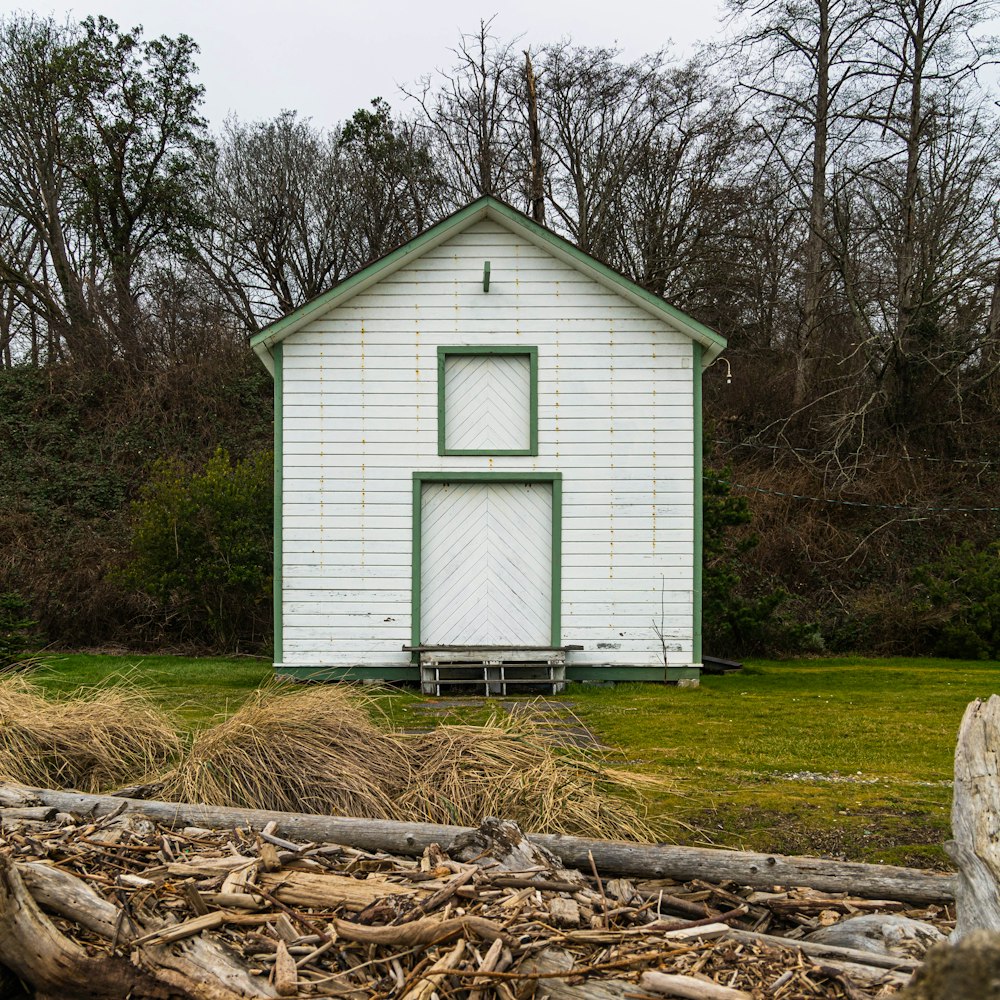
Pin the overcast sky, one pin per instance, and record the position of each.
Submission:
(326, 59)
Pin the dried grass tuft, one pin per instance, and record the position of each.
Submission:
(318, 750)
(312, 750)
(510, 767)
(94, 740)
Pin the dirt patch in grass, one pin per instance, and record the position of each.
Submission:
(878, 836)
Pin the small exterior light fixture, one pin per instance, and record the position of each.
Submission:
(729, 370)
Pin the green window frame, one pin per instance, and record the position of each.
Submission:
(553, 478)
(531, 353)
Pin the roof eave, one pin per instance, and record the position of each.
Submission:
(545, 239)
(369, 275)
(482, 208)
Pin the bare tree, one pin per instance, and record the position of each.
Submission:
(598, 117)
(806, 96)
(281, 230)
(938, 148)
(471, 114)
(674, 205)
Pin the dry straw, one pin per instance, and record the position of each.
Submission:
(94, 740)
(322, 749)
(301, 750)
(317, 750)
(511, 767)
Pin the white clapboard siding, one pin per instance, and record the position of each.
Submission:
(360, 405)
(486, 564)
(487, 401)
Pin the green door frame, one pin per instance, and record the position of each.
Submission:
(553, 478)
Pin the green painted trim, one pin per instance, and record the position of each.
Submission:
(458, 350)
(415, 594)
(513, 476)
(556, 613)
(441, 356)
(277, 570)
(654, 674)
(414, 248)
(483, 208)
(486, 275)
(350, 673)
(510, 476)
(691, 325)
(699, 512)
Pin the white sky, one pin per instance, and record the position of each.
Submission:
(327, 59)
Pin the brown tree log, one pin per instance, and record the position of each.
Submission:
(33, 948)
(761, 871)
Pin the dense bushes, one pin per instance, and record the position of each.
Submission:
(75, 447)
(201, 546)
(963, 591)
(741, 616)
(16, 630)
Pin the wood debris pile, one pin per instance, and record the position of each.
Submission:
(124, 906)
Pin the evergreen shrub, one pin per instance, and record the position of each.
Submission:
(202, 549)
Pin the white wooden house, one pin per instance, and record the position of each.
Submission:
(487, 447)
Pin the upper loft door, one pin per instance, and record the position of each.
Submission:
(486, 564)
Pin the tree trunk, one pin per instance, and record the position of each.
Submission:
(815, 280)
(615, 857)
(537, 180)
(975, 817)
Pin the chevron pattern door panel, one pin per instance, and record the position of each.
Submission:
(486, 564)
(487, 401)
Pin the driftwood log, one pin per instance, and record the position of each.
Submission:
(761, 871)
(33, 947)
(975, 819)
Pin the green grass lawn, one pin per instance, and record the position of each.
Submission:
(195, 690)
(846, 757)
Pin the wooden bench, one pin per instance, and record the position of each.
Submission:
(492, 670)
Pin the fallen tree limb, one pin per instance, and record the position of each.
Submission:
(814, 949)
(639, 860)
(417, 932)
(688, 987)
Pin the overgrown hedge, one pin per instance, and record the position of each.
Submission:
(76, 448)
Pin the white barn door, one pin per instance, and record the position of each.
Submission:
(486, 564)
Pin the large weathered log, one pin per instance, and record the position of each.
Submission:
(32, 947)
(975, 815)
(198, 966)
(639, 860)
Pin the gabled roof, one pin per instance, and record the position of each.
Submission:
(516, 222)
